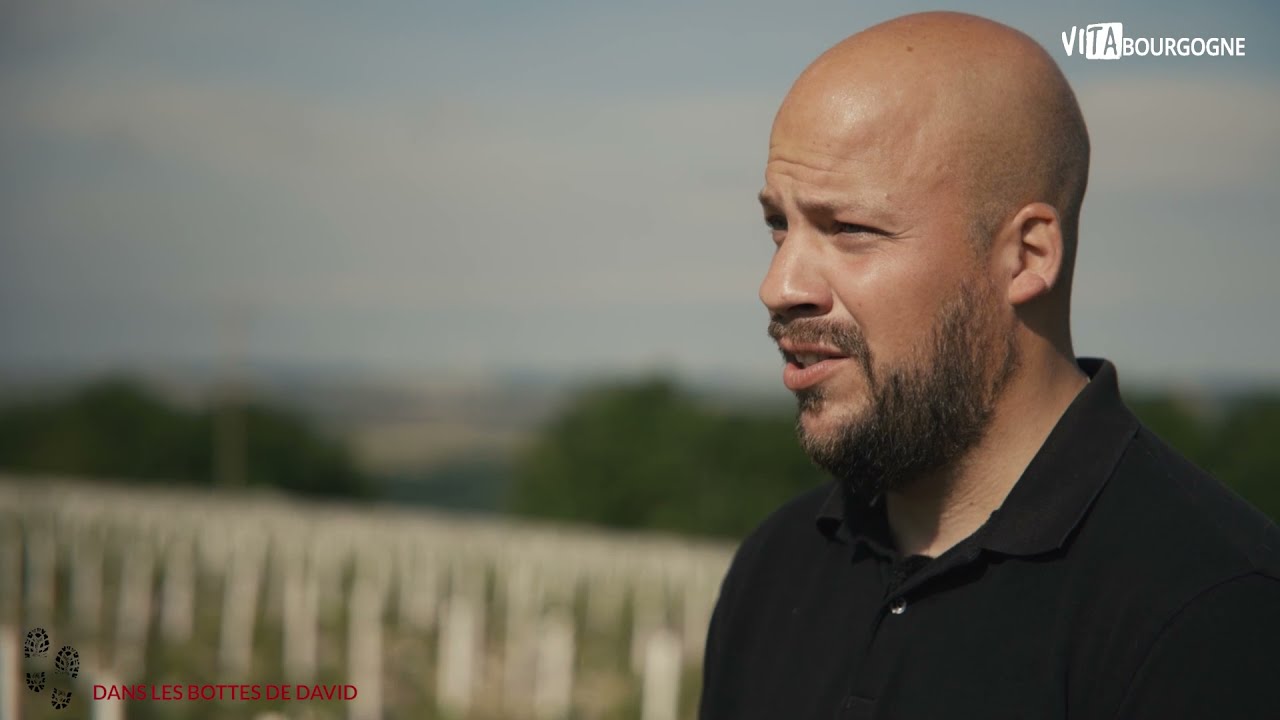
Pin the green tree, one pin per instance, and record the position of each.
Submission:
(1178, 423)
(112, 428)
(283, 450)
(1247, 451)
(117, 428)
(647, 455)
(1240, 445)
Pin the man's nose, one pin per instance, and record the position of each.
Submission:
(794, 285)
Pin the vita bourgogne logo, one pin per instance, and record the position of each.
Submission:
(1106, 41)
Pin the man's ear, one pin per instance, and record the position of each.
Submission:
(1037, 252)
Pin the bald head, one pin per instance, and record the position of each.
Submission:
(959, 103)
(922, 191)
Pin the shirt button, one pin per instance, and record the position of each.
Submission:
(898, 606)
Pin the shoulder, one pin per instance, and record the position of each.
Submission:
(1175, 515)
(763, 570)
(787, 533)
(1215, 657)
(1166, 554)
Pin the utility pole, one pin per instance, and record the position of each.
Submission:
(229, 432)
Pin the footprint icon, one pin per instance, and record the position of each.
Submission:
(37, 643)
(66, 662)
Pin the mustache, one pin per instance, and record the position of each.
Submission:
(848, 339)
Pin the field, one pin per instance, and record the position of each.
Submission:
(427, 615)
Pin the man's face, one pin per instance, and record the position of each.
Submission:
(889, 319)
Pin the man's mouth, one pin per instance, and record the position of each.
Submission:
(808, 365)
(802, 355)
(804, 360)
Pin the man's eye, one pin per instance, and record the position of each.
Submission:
(855, 229)
(776, 222)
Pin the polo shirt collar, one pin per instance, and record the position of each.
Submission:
(1054, 492)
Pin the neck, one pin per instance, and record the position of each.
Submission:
(935, 512)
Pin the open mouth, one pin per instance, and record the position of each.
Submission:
(804, 360)
(808, 366)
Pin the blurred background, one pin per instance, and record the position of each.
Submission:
(418, 342)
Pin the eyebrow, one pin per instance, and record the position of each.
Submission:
(810, 206)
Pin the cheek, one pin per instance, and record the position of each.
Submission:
(893, 303)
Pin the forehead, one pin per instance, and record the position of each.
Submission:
(871, 149)
(810, 191)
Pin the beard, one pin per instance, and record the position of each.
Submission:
(924, 414)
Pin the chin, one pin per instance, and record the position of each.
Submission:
(828, 418)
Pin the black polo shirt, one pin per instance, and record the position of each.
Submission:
(1117, 580)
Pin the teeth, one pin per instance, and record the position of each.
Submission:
(807, 359)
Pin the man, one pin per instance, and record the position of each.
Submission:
(1002, 538)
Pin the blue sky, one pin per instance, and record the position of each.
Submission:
(415, 186)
